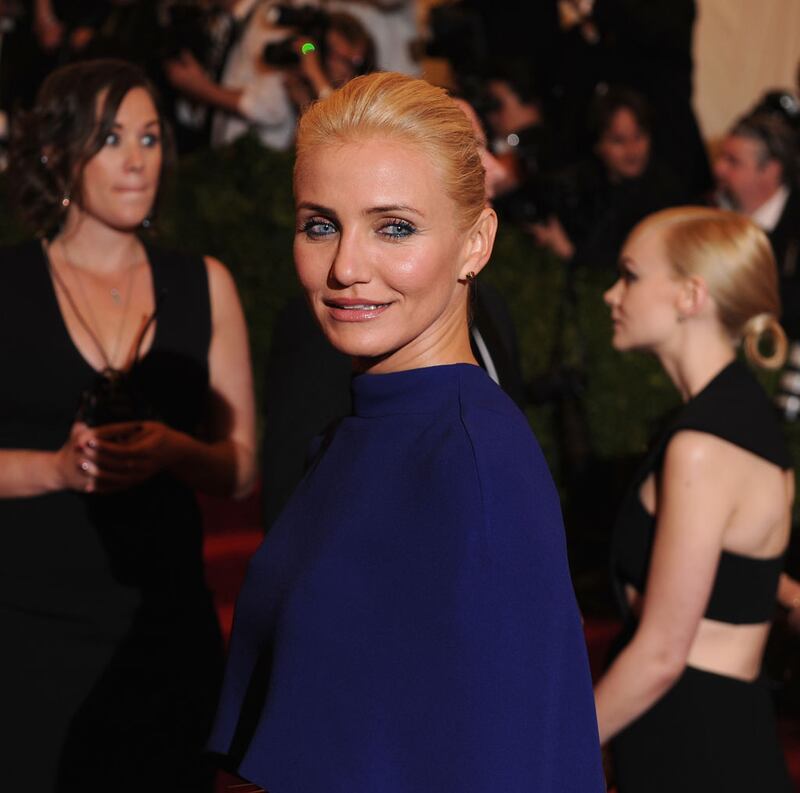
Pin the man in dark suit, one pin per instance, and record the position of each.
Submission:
(756, 172)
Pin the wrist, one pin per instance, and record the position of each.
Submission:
(178, 450)
(51, 467)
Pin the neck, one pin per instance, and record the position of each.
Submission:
(97, 247)
(696, 359)
(759, 200)
(446, 343)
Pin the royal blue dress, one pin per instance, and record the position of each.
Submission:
(409, 623)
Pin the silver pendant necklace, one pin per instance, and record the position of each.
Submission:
(92, 327)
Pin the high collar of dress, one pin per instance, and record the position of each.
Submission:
(427, 390)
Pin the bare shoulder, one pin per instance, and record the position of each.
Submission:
(222, 289)
(700, 452)
(219, 276)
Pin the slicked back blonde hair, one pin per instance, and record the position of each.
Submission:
(396, 107)
(734, 258)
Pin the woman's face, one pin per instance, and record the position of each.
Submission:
(119, 184)
(380, 253)
(624, 147)
(644, 301)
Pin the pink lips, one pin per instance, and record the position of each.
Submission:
(348, 309)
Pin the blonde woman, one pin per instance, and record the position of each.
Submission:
(699, 544)
(408, 625)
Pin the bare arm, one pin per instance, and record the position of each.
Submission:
(28, 472)
(695, 503)
(789, 598)
(48, 28)
(226, 465)
(188, 76)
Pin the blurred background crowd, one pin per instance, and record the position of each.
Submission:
(589, 113)
(587, 105)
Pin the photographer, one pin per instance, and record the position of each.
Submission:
(281, 58)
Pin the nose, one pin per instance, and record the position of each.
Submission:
(350, 264)
(611, 296)
(134, 156)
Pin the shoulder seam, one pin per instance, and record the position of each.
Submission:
(484, 523)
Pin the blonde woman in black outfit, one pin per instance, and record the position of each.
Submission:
(699, 544)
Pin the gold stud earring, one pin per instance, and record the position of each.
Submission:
(470, 276)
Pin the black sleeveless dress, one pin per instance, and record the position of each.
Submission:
(709, 733)
(112, 655)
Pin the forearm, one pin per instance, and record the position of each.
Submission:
(789, 592)
(25, 473)
(221, 468)
(210, 93)
(636, 680)
(43, 11)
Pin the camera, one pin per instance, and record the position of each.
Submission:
(309, 21)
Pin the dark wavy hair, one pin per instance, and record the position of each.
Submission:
(609, 101)
(74, 112)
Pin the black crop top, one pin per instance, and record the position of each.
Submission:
(734, 407)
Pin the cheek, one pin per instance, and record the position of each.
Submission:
(156, 162)
(423, 275)
(310, 266)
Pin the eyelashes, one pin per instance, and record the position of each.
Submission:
(393, 229)
(317, 228)
(628, 277)
(398, 229)
(149, 141)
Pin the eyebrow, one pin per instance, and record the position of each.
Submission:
(318, 208)
(154, 123)
(393, 208)
(323, 210)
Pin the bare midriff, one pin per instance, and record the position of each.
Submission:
(720, 647)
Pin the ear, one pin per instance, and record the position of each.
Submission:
(479, 244)
(693, 297)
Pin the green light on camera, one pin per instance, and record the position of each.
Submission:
(308, 47)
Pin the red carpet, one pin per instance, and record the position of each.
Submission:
(233, 532)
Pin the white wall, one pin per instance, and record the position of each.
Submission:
(742, 48)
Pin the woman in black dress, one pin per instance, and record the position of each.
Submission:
(699, 544)
(126, 386)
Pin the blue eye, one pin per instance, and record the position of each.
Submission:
(397, 229)
(317, 228)
(151, 140)
(112, 139)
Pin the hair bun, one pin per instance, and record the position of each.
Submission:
(753, 333)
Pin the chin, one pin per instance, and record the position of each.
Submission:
(620, 344)
(358, 344)
(127, 222)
